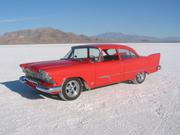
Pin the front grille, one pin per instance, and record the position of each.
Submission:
(35, 75)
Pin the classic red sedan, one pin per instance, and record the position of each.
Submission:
(89, 66)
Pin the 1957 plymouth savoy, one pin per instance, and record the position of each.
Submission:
(89, 66)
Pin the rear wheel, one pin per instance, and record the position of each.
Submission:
(140, 77)
(71, 89)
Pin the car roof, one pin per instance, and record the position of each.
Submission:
(103, 46)
(107, 46)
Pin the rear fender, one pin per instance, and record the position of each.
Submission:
(153, 62)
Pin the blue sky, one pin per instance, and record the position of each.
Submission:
(159, 18)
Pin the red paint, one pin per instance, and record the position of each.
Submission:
(100, 73)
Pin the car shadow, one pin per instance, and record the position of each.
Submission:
(30, 93)
(27, 92)
(127, 82)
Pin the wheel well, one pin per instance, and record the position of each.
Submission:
(146, 72)
(83, 82)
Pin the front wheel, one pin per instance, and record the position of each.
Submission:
(140, 77)
(71, 89)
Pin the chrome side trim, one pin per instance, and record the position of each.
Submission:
(105, 76)
(25, 79)
(135, 71)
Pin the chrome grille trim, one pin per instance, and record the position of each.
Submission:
(32, 74)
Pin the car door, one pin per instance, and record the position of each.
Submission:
(131, 64)
(109, 69)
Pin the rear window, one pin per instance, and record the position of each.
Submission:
(126, 54)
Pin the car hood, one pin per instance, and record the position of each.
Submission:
(55, 64)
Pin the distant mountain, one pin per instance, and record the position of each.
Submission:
(115, 36)
(55, 36)
(172, 39)
(44, 36)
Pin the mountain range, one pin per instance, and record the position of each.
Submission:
(115, 36)
(44, 36)
(55, 36)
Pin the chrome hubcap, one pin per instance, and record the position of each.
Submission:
(140, 77)
(72, 88)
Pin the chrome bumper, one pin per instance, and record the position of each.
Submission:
(159, 67)
(25, 79)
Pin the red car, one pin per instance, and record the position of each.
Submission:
(89, 66)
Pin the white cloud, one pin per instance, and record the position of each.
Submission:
(14, 20)
(8, 20)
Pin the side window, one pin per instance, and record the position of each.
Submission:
(112, 52)
(126, 54)
(94, 53)
(80, 53)
(109, 55)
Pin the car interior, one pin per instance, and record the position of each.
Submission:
(110, 55)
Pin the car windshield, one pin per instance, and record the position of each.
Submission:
(83, 53)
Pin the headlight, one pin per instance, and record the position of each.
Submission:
(23, 69)
(45, 76)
